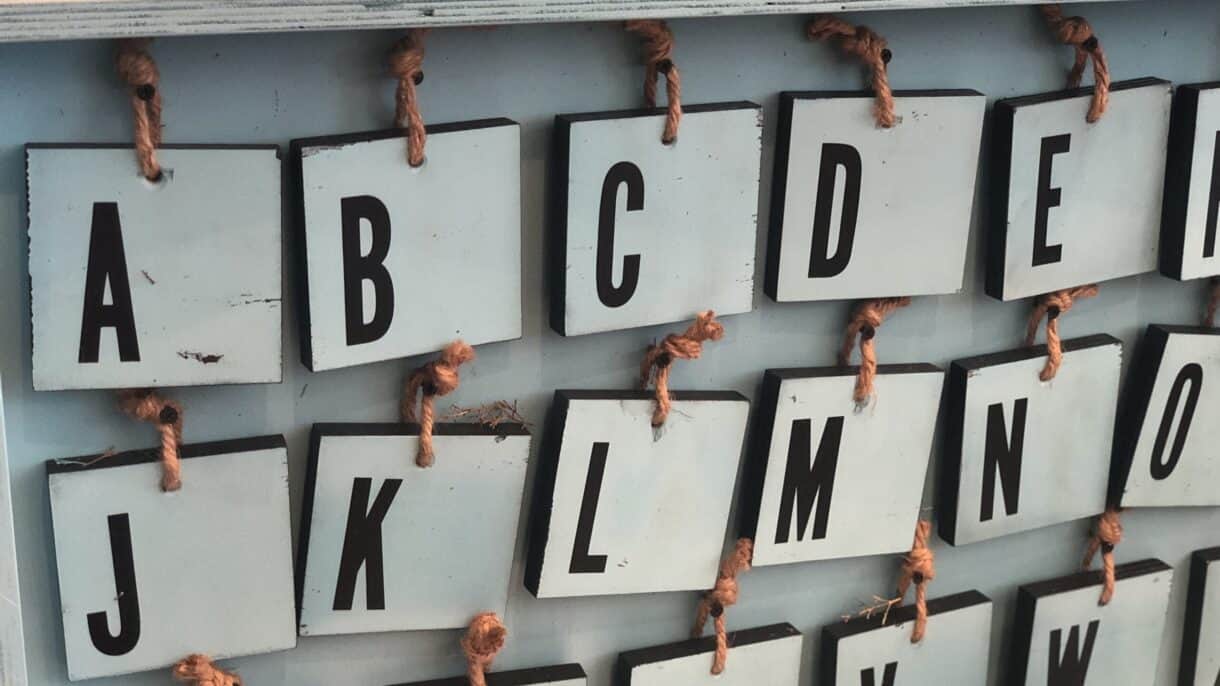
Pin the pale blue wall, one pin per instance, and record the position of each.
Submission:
(268, 89)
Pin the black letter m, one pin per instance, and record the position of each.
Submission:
(804, 484)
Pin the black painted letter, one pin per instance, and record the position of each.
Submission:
(1213, 205)
(804, 484)
(1160, 467)
(582, 561)
(1003, 455)
(362, 544)
(611, 295)
(107, 263)
(358, 268)
(1048, 197)
(868, 677)
(125, 590)
(822, 264)
(1069, 667)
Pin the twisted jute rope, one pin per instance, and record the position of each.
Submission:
(1107, 533)
(1076, 32)
(483, 640)
(1213, 302)
(199, 670)
(863, 325)
(407, 65)
(865, 44)
(144, 404)
(1051, 306)
(438, 377)
(138, 70)
(687, 345)
(658, 59)
(918, 568)
(722, 596)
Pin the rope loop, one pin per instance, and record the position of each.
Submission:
(1076, 32)
(658, 47)
(918, 569)
(407, 65)
(1107, 533)
(145, 405)
(723, 595)
(139, 72)
(484, 639)
(438, 377)
(199, 670)
(687, 345)
(871, 49)
(1052, 306)
(865, 320)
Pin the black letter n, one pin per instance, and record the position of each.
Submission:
(359, 268)
(1000, 454)
(362, 544)
(107, 263)
(804, 484)
(1069, 667)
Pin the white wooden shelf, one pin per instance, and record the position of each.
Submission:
(32, 20)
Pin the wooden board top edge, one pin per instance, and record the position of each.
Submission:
(604, 115)
(786, 373)
(901, 615)
(325, 429)
(127, 458)
(1031, 352)
(1093, 577)
(1071, 93)
(326, 141)
(706, 644)
(515, 677)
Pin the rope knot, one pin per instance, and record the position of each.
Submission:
(406, 64)
(658, 47)
(865, 320)
(659, 357)
(1078, 33)
(438, 377)
(722, 596)
(918, 568)
(484, 639)
(870, 48)
(1052, 306)
(135, 65)
(199, 670)
(145, 405)
(1107, 533)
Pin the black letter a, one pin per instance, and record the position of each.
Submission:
(359, 268)
(1069, 667)
(1003, 455)
(362, 544)
(804, 484)
(125, 588)
(107, 263)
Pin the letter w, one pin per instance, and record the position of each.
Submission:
(1068, 668)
